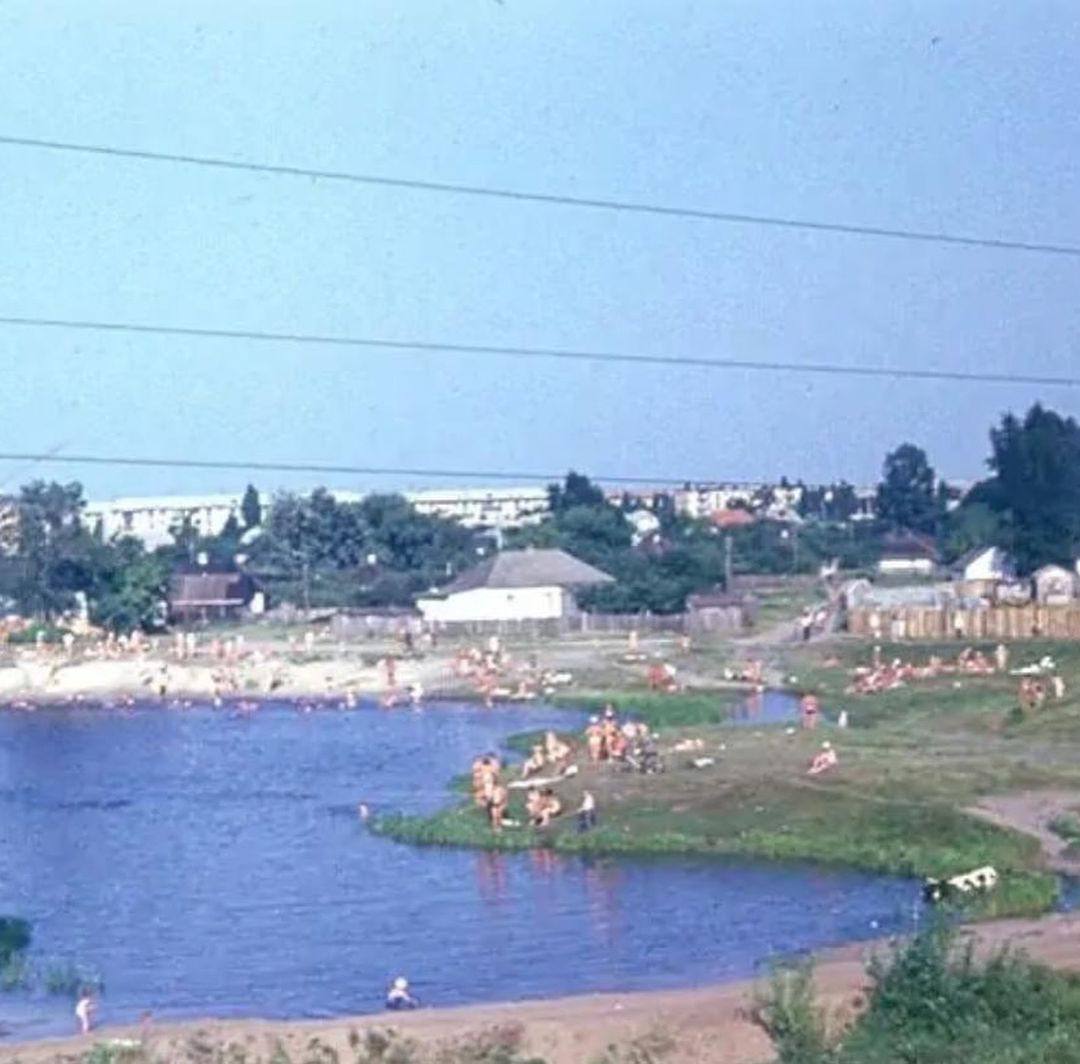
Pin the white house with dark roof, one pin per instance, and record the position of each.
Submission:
(514, 585)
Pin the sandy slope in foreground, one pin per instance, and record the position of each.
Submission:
(710, 1025)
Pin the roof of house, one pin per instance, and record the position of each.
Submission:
(732, 518)
(210, 589)
(976, 553)
(529, 568)
(908, 545)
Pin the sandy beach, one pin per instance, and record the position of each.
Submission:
(708, 1025)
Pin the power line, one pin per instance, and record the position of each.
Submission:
(592, 203)
(380, 343)
(312, 467)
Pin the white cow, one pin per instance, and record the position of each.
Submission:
(977, 881)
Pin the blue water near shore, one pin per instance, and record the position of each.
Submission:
(208, 862)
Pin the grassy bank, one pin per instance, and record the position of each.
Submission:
(913, 762)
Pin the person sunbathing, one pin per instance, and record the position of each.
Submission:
(824, 759)
(555, 749)
(534, 763)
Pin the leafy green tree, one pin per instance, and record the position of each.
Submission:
(1035, 489)
(131, 587)
(576, 490)
(907, 496)
(378, 551)
(970, 526)
(251, 508)
(53, 547)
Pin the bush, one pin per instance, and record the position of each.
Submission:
(788, 1014)
(49, 633)
(14, 938)
(933, 1003)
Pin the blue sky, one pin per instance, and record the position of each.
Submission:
(930, 115)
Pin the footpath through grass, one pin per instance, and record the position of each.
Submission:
(913, 762)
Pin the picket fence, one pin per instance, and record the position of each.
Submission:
(993, 622)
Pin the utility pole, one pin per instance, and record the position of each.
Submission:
(727, 562)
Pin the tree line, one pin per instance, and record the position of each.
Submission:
(314, 550)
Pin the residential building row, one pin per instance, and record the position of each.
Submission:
(151, 518)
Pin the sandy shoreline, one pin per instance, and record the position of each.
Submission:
(710, 1025)
(46, 681)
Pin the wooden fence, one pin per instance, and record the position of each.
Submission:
(994, 622)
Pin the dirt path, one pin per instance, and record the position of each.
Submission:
(710, 1025)
(1032, 812)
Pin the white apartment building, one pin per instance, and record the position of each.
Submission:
(483, 507)
(701, 501)
(150, 518)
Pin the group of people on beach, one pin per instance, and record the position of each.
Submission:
(496, 676)
(886, 676)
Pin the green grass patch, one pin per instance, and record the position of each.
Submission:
(657, 710)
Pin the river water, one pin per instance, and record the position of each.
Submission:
(208, 862)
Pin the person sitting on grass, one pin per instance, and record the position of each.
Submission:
(824, 759)
(555, 749)
(534, 763)
(534, 805)
(549, 808)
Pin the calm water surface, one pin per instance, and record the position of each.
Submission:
(207, 862)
